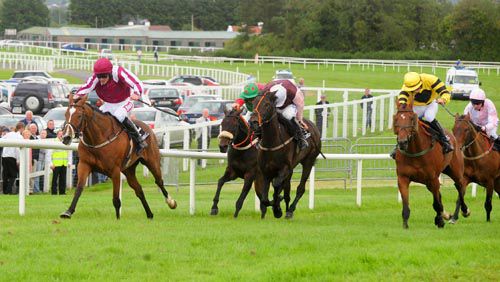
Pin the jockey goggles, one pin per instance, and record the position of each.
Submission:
(102, 75)
(476, 102)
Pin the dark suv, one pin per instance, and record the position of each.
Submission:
(38, 97)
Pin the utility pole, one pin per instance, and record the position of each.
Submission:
(192, 22)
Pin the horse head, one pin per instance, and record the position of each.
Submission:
(263, 110)
(405, 123)
(464, 130)
(230, 127)
(75, 118)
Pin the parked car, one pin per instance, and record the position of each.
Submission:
(215, 108)
(18, 75)
(10, 120)
(189, 101)
(162, 96)
(38, 97)
(159, 121)
(4, 111)
(11, 43)
(461, 81)
(56, 114)
(72, 47)
(193, 80)
(155, 82)
(92, 97)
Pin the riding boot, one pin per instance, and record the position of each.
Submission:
(443, 139)
(300, 134)
(135, 134)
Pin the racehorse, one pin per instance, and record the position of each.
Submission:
(419, 158)
(278, 155)
(105, 147)
(482, 164)
(236, 139)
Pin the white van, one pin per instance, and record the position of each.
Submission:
(461, 81)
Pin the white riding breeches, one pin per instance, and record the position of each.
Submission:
(119, 110)
(428, 112)
(288, 112)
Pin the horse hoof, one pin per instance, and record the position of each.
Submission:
(214, 211)
(446, 215)
(150, 216)
(439, 222)
(289, 215)
(466, 214)
(405, 225)
(66, 215)
(278, 213)
(452, 221)
(172, 204)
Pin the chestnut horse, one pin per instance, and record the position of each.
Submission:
(105, 147)
(420, 158)
(236, 139)
(278, 156)
(482, 164)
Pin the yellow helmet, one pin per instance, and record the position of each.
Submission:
(412, 81)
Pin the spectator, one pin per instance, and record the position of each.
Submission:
(58, 166)
(155, 54)
(301, 84)
(320, 113)
(139, 54)
(10, 160)
(34, 185)
(369, 108)
(205, 117)
(50, 129)
(43, 158)
(28, 118)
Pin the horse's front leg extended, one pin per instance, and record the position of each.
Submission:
(115, 177)
(403, 183)
(83, 172)
(228, 176)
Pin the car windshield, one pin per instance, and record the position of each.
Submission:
(7, 120)
(191, 100)
(145, 115)
(163, 93)
(465, 79)
(55, 115)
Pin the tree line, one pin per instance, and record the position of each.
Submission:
(467, 29)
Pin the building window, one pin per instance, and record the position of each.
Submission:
(173, 43)
(210, 44)
(193, 44)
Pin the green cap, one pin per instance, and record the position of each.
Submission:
(251, 90)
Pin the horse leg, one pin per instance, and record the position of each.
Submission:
(437, 204)
(306, 170)
(460, 183)
(403, 183)
(286, 192)
(247, 185)
(115, 177)
(154, 166)
(134, 184)
(489, 195)
(83, 172)
(264, 197)
(277, 212)
(228, 176)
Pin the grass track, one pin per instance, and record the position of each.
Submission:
(335, 241)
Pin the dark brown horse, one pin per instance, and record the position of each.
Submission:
(236, 139)
(482, 163)
(419, 158)
(278, 156)
(106, 147)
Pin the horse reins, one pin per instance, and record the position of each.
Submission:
(463, 148)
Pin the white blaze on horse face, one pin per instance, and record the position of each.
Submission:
(403, 116)
(68, 129)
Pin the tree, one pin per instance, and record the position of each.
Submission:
(23, 14)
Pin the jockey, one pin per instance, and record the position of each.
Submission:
(426, 91)
(483, 113)
(290, 103)
(116, 85)
(246, 98)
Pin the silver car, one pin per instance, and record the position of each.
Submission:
(159, 122)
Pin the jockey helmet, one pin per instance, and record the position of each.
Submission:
(250, 91)
(412, 81)
(103, 65)
(477, 94)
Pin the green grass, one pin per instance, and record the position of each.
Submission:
(335, 241)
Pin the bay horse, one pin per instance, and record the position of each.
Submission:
(236, 139)
(278, 155)
(420, 158)
(105, 147)
(482, 163)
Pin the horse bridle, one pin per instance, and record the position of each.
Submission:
(259, 116)
(69, 126)
(410, 135)
(477, 134)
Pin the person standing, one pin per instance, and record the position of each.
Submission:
(51, 129)
(320, 112)
(369, 108)
(28, 118)
(205, 117)
(139, 55)
(10, 160)
(35, 153)
(43, 158)
(155, 53)
(58, 166)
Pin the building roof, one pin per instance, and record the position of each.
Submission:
(131, 32)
